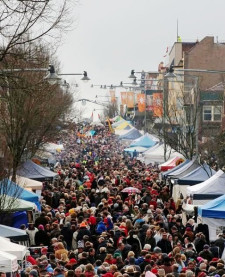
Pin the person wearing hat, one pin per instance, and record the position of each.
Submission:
(33, 273)
(206, 253)
(31, 231)
(82, 231)
(41, 237)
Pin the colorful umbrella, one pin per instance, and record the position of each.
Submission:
(131, 190)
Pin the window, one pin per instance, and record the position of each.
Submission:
(212, 113)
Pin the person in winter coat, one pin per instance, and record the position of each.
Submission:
(61, 250)
(149, 239)
(101, 227)
(206, 253)
(41, 237)
(164, 244)
(83, 231)
(31, 231)
(135, 243)
(67, 234)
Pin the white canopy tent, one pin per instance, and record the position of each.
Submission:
(17, 205)
(8, 262)
(53, 147)
(28, 183)
(12, 248)
(208, 190)
(156, 154)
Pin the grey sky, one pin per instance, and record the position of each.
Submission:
(111, 37)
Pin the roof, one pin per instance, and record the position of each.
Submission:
(14, 233)
(218, 87)
(16, 191)
(198, 175)
(184, 170)
(146, 140)
(215, 185)
(171, 163)
(33, 171)
(131, 134)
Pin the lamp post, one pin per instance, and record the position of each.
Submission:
(143, 88)
(53, 77)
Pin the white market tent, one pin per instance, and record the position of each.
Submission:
(53, 147)
(28, 183)
(8, 262)
(213, 215)
(12, 248)
(208, 190)
(17, 205)
(156, 154)
(139, 149)
(17, 235)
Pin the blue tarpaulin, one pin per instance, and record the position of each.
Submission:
(198, 175)
(144, 141)
(131, 134)
(33, 171)
(214, 208)
(16, 191)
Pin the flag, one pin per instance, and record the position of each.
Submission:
(158, 104)
(123, 97)
(110, 126)
(141, 102)
(113, 96)
(130, 99)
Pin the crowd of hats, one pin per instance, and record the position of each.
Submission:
(88, 227)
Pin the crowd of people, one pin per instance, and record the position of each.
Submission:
(88, 227)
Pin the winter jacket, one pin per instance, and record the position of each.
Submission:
(101, 228)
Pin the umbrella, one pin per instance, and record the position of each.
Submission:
(131, 190)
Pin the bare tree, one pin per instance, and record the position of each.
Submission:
(111, 110)
(178, 125)
(25, 21)
(30, 109)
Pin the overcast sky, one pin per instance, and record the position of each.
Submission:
(111, 37)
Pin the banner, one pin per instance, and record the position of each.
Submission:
(149, 102)
(113, 96)
(141, 102)
(130, 99)
(158, 104)
(123, 97)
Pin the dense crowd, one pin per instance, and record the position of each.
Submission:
(88, 227)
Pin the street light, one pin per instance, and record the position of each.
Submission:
(134, 83)
(53, 78)
(132, 74)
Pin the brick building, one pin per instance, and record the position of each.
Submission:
(204, 55)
